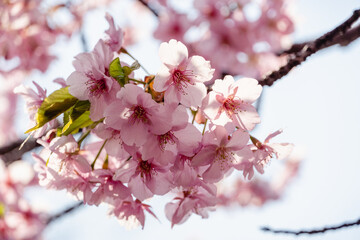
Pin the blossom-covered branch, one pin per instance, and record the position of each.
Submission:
(147, 145)
(313, 231)
(310, 48)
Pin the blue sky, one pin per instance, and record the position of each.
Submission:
(317, 106)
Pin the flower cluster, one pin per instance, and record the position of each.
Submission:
(238, 37)
(29, 28)
(144, 139)
(28, 31)
(15, 211)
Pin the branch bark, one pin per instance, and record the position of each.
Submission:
(301, 52)
(152, 10)
(342, 40)
(313, 231)
(63, 213)
(11, 153)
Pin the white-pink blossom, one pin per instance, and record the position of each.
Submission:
(182, 78)
(221, 152)
(230, 101)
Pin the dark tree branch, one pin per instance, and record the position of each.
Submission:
(310, 48)
(63, 213)
(8, 148)
(342, 40)
(83, 40)
(313, 231)
(143, 2)
(11, 153)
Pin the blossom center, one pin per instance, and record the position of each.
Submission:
(145, 169)
(166, 138)
(231, 105)
(224, 156)
(96, 87)
(139, 114)
(181, 78)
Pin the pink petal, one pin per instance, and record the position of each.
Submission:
(139, 189)
(134, 134)
(200, 68)
(159, 185)
(248, 89)
(210, 105)
(194, 94)
(247, 118)
(204, 157)
(162, 80)
(282, 150)
(215, 172)
(238, 140)
(173, 53)
(77, 88)
(189, 139)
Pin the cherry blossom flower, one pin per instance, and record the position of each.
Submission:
(182, 138)
(106, 189)
(114, 145)
(197, 200)
(91, 81)
(181, 77)
(131, 212)
(221, 152)
(231, 101)
(185, 175)
(136, 115)
(115, 34)
(144, 177)
(263, 152)
(18, 220)
(33, 102)
(172, 25)
(8, 101)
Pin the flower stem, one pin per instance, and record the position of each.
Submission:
(126, 52)
(204, 127)
(137, 81)
(98, 154)
(82, 138)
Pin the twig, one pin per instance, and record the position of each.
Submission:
(156, 14)
(342, 40)
(83, 40)
(63, 213)
(311, 48)
(11, 152)
(10, 147)
(314, 231)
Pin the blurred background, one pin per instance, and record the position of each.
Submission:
(316, 104)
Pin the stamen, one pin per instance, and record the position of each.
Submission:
(181, 79)
(146, 170)
(224, 157)
(96, 87)
(166, 138)
(139, 114)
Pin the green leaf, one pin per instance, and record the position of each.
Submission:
(54, 105)
(79, 108)
(121, 74)
(116, 71)
(77, 117)
(74, 125)
(127, 70)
